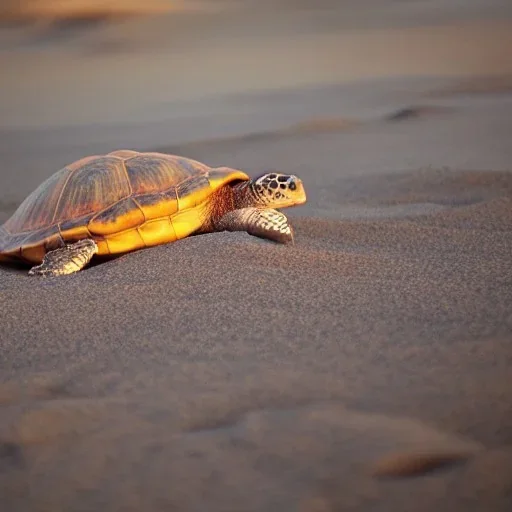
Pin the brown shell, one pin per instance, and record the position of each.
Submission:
(106, 196)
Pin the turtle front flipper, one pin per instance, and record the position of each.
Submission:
(66, 260)
(261, 222)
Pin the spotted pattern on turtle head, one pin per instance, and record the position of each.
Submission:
(278, 190)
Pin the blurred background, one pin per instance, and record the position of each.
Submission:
(81, 77)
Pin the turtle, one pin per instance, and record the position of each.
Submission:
(115, 203)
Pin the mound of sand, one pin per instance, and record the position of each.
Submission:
(292, 457)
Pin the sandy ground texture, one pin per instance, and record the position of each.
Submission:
(367, 367)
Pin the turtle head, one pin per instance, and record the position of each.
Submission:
(278, 190)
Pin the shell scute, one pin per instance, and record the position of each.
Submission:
(154, 231)
(151, 172)
(38, 209)
(80, 163)
(222, 175)
(73, 230)
(10, 245)
(93, 187)
(193, 191)
(124, 242)
(159, 204)
(122, 215)
(35, 237)
(191, 166)
(33, 253)
(71, 224)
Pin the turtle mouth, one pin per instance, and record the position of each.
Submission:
(290, 197)
(299, 193)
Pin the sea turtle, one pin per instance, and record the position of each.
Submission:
(126, 200)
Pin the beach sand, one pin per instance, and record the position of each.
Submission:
(366, 367)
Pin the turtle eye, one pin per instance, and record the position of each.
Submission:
(292, 185)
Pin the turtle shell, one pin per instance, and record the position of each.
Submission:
(124, 200)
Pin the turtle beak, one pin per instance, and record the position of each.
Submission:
(297, 191)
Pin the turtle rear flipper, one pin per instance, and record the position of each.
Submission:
(66, 260)
(261, 222)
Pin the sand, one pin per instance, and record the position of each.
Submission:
(367, 367)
